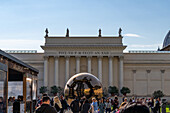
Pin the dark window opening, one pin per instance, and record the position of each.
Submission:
(15, 75)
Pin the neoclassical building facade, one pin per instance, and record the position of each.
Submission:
(142, 71)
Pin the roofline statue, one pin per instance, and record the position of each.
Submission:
(67, 33)
(120, 32)
(100, 32)
(46, 32)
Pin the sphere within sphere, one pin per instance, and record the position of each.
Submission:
(83, 84)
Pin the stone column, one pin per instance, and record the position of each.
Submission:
(162, 80)
(121, 72)
(111, 71)
(148, 81)
(100, 68)
(134, 82)
(116, 71)
(56, 72)
(89, 64)
(67, 69)
(45, 71)
(78, 64)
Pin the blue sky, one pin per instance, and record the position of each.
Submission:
(144, 22)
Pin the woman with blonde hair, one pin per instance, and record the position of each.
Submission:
(57, 104)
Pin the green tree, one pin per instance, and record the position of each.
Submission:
(113, 90)
(54, 90)
(43, 89)
(158, 94)
(125, 90)
(57, 89)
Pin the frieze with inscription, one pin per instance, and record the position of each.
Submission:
(83, 53)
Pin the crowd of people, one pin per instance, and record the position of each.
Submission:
(94, 105)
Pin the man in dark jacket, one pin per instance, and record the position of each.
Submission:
(75, 106)
(39, 103)
(45, 107)
(64, 104)
(85, 107)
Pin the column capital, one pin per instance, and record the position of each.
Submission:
(89, 56)
(78, 56)
(99, 56)
(148, 71)
(121, 57)
(46, 57)
(134, 71)
(111, 56)
(162, 71)
(67, 57)
(56, 57)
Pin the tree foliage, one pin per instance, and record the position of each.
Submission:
(125, 90)
(54, 90)
(43, 89)
(113, 90)
(57, 89)
(158, 94)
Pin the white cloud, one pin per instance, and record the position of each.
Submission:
(21, 44)
(131, 35)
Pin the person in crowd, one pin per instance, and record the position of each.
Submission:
(101, 106)
(57, 104)
(82, 101)
(39, 103)
(154, 106)
(151, 104)
(1, 105)
(137, 100)
(38, 98)
(108, 106)
(130, 100)
(115, 104)
(141, 100)
(46, 107)
(64, 104)
(122, 106)
(10, 101)
(85, 107)
(13, 99)
(133, 99)
(94, 105)
(75, 106)
(157, 106)
(16, 106)
(125, 100)
(52, 102)
(134, 107)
